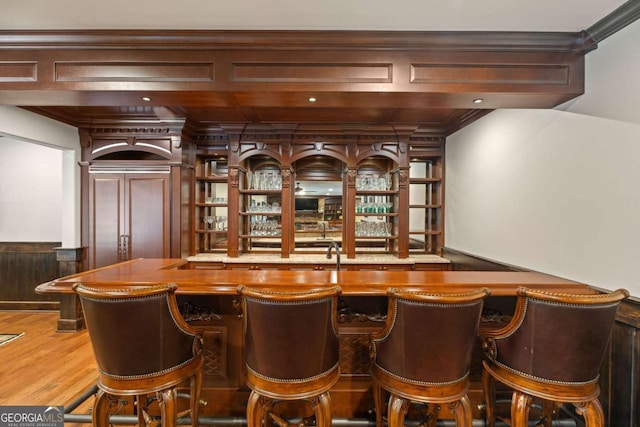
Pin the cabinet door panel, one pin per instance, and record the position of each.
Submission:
(129, 217)
(148, 216)
(106, 219)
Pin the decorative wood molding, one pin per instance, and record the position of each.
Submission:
(257, 83)
(626, 14)
(234, 180)
(297, 40)
(18, 71)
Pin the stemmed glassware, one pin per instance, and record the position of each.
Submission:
(264, 180)
(215, 222)
(373, 182)
(264, 228)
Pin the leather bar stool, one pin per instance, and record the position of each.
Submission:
(552, 349)
(291, 351)
(142, 347)
(423, 354)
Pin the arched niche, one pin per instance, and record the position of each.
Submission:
(318, 203)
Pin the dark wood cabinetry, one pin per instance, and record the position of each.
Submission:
(131, 191)
(130, 216)
(426, 201)
(162, 192)
(211, 221)
(332, 211)
(377, 209)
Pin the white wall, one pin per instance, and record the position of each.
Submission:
(30, 192)
(557, 191)
(35, 128)
(39, 179)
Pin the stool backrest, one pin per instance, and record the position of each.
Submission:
(290, 335)
(136, 331)
(429, 337)
(557, 337)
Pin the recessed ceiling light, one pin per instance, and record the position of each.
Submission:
(478, 101)
(312, 99)
(146, 98)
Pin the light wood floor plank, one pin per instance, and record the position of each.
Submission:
(44, 367)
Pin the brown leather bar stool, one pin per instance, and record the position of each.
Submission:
(552, 349)
(423, 354)
(291, 351)
(142, 347)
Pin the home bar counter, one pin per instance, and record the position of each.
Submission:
(210, 303)
(353, 283)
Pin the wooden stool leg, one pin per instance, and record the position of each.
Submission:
(195, 389)
(432, 414)
(100, 415)
(168, 407)
(462, 412)
(520, 406)
(141, 408)
(322, 409)
(488, 385)
(397, 411)
(547, 413)
(592, 413)
(378, 400)
(255, 410)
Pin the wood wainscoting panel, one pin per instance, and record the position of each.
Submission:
(23, 266)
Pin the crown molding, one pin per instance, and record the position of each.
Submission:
(626, 14)
(298, 40)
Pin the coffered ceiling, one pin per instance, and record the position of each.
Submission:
(409, 65)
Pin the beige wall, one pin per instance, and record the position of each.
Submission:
(557, 191)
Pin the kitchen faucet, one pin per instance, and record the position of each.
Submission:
(337, 248)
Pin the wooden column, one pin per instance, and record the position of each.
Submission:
(70, 262)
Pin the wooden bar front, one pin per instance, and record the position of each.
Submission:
(209, 302)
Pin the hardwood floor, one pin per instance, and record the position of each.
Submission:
(44, 367)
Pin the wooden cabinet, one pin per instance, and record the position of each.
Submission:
(333, 209)
(376, 207)
(211, 205)
(391, 201)
(261, 220)
(376, 219)
(260, 208)
(129, 215)
(426, 234)
(136, 194)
